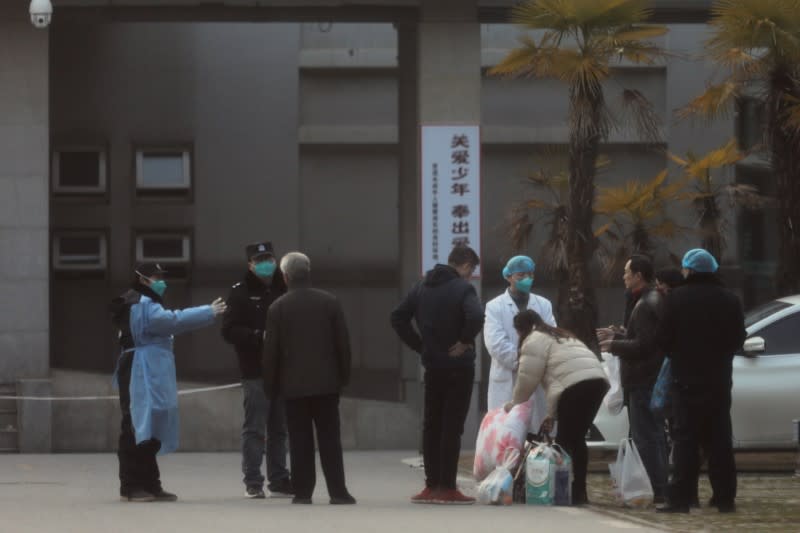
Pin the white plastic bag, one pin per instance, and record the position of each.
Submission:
(614, 399)
(631, 484)
(498, 487)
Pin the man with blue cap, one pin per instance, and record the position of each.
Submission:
(702, 329)
(502, 339)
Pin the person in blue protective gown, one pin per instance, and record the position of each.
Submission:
(145, 374)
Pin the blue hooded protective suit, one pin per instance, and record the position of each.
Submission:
(153, 388)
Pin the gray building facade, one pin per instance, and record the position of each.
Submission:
(179, 133)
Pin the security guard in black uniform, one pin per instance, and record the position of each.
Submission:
(243, 327)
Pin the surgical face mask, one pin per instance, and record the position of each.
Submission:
(264, 269)
(524, 285)
(159, 286)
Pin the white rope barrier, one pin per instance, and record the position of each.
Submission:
(184, 392)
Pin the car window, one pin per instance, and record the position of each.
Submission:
(781, 337)
(763, 311)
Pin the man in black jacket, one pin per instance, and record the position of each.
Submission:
(640, 361)
(243, 327)
(702, 329)
(307, 360)
(449, 316)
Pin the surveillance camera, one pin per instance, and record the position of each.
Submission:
(41, 12)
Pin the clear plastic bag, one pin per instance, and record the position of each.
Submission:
(498, 487)
(631, 484)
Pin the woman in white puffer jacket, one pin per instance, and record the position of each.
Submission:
(574, 382)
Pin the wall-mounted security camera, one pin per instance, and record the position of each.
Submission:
(41, 12)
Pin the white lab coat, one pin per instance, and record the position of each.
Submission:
(502, 341)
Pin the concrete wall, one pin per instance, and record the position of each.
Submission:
(24, 220)
(209, 86)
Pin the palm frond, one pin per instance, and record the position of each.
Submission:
(767, 26)
(717, 101)
(791, 112)
(699, 168)
(521, 227)
(639, 111)
(520, 61)
(748, 197)
(566, 15)
(602, 230)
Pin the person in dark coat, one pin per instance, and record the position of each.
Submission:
(449, 315)
(702, 329)
(243, 327)
(307, 361)
(640, 361)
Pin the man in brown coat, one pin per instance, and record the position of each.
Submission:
(307, 361)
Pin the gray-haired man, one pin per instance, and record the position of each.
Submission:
(307, 360)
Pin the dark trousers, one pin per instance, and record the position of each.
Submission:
(648, 432)
(138, 469)
(702, 418)
(263, 411)
(303, 416)
(447, 398)
(577, 408)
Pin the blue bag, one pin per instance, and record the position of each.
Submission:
(660, 400)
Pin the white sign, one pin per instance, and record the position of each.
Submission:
(451, 189)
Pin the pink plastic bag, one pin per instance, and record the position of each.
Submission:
(499, 432)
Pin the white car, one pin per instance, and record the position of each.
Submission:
(766, 383)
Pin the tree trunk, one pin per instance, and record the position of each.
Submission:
(785, 148)
(710, 217)
(586, 131)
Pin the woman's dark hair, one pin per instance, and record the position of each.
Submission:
(671, 277)
(526, 321)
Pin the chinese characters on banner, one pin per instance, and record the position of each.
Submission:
(450, 177)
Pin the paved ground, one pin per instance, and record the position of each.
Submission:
(765, 503)
(79, 493)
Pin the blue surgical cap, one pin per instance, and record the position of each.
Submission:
(519, 263)
(700, 260)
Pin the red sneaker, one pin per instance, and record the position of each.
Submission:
(453, 497)
(428, 495)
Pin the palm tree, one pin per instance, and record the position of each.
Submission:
(709, 191)
(758, 43)
(580, 41)
(637, 219)
(547, 211)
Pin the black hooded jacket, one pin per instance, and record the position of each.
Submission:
(702, 328)
(446, 310)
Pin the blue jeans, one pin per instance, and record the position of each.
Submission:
(647, 432)
(262, 413)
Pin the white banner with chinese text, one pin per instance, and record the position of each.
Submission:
(451, 192)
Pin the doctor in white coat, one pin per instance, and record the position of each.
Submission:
(502, 340)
